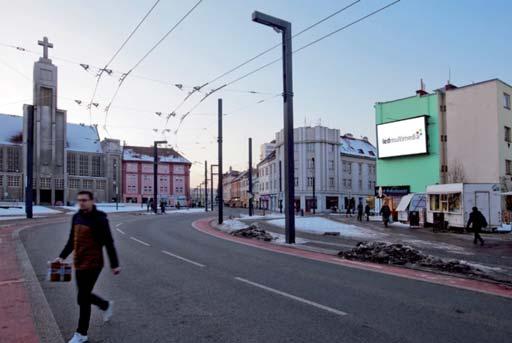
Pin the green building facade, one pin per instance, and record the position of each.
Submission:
(416, 171)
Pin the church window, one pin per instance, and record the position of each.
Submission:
(84, 165)
(87, 184)
(74, 183)
(45, 183)
(59, 183)
(72, 164)
(100, 184)
(13, 160)
(13, 181)
(96, 166)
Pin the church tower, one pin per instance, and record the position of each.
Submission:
(49, 133)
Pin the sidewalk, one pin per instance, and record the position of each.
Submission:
(16, 321)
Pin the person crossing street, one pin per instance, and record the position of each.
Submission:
(90, 232)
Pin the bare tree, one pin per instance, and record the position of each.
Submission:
(456, 172)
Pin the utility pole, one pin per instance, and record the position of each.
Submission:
(206, 186)
(220, 187)
(285, 28)
(30, 162)
(155, 173)
(314, 182)
(251, 195)
(211, 184)
(116, 188)
(280, 188)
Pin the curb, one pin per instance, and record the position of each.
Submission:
(45, 323)
(205, 226)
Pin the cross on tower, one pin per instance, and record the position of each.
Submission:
(45, 44)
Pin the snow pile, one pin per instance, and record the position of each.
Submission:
(270, 215)
(324, 226)
(231, 225)
(111, 207)
(187, 210)
(504, 228)
(253, 231)
(17, 211)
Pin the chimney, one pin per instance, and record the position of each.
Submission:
(421, 91)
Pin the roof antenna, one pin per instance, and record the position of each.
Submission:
(449, 75)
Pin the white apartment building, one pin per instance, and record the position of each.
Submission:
(357, 165)
(266, 149)
(269, 183)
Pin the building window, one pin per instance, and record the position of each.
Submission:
(331, 165)
(310, 181)
(360, 169)
(13, 181)
(84, 165)
(311, 164)
(361, 151)
(360, 184)
(331, 147)
(371, 153)
(311, 147)
(59, 183)
(296, 182)
(508, 167)
(331, 182)
(45, 183)
(74, 183)
(100, 184)
(87, 184)
(96, 166)
(506, 101)
(114, 169)
(508, 137)
(72, 164)
(13, 160)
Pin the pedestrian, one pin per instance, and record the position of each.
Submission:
(150, 204)
(385, 212)
(360, 209)
(162, 206)
(178, 205)
(90, 231)
(367, 212)
(477, 219)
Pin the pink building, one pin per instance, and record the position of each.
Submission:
(137, 175)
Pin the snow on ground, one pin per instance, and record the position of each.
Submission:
(438, 245)
(111, 207)
(281, 239)
(20, 211)
(231, 225)
(504, 228)
(319, 225)
(270, 215)
(400, 225)
(187, 210)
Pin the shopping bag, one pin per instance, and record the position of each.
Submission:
(59, 271)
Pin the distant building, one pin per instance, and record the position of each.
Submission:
(227, 180)
(357, 169)
(137, 175)
(266, 149)
(269, 186)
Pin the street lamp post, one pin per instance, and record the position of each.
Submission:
(211, 185)
(314, 184)
(155, 173)
(285, 28)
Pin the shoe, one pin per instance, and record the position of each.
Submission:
(78, 338)
(107, 314)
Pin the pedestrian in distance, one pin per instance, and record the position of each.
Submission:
(162, 206)
(367, 212)
(478, 221)
(90, 232)
(385, 212)
(150, 204)
(360, 209)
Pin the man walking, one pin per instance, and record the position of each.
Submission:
(367, 212)
(478, 220)
(385, 212)
(360, 212)
(90, 231)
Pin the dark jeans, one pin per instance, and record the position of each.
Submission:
(85, 280)
(360, 216)
(478, 238)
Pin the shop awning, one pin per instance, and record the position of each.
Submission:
(404, 202)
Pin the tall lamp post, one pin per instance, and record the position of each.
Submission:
(285, 28)
(314, 184)
(155, 173)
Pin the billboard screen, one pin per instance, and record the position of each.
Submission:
(402, 137)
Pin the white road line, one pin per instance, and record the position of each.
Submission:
(293, 297)
(118, 225)
(184, 259)
(139, 241)
(121, 231)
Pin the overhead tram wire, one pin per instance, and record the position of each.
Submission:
(268, 50)
(305, 46)
(125, 75)
(104, 69)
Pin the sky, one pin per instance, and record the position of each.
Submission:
(336, 81)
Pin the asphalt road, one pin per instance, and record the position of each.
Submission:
(180, 285)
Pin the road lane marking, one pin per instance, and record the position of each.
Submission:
(121, 231)
(184, 259)
(139, 241)
(293, 297)
(118, 225)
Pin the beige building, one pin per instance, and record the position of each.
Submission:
(478, 133)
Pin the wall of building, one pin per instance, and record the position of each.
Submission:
(416, 171)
